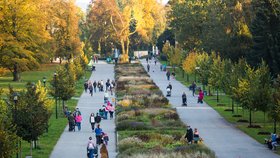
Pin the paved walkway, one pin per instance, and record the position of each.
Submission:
(219, 135)
(73, 144)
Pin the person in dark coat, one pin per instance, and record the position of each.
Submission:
(184, 99)
(71, 122)
(189, 135)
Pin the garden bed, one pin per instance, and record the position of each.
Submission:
(147, 126)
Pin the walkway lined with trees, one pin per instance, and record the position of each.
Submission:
(73, 144)
(220, 136)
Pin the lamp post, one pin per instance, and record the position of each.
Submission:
(196, 69)
(55, 94)
(15, 95)
(44, 81)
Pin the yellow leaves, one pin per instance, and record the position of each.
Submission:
(194, 59)
(125, 102)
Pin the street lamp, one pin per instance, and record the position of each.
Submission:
(196, 69)
(44, 81)
(55, 94)
(15, 95)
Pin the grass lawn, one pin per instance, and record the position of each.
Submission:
(258, 118)
(56, 126)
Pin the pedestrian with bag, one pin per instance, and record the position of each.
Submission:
(92, 121)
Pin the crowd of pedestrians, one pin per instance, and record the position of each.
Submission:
(106, 111)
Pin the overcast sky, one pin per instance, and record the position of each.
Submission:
(84, 3)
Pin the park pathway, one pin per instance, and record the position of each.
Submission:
(219, 135)
(73, 144)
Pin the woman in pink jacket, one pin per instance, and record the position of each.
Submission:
(78, 120)
(200, 97)
(111, 109)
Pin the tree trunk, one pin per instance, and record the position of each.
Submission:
(35, 144)
(250, 118)
(188, 79)
(209, 91)
(274, 126)
(183, 73)
(217, 95)
(232, 105)
(63, 104)
(16, 74)
(127, 46)
(264, 123)
(30, 148)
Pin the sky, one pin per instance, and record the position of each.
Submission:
(84, 3)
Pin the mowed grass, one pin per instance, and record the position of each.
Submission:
(49, 139)
(46, 70)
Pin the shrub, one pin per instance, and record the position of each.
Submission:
(130, 142)
(132, 125)
(125, 102)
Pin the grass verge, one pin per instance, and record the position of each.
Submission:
(49, 139)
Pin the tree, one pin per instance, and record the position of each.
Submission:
(145, 17)
(8, 137)
(64, 29)
(64, 85)
(32, 113)
(204, 62)
(216, 73)
(175, 57)
(189, 63)
(275, 106)
(22, 34)
(266, 34)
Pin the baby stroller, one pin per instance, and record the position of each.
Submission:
(95, 152)
(168, 90)
(93, 68)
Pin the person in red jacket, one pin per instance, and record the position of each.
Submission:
(200, 97)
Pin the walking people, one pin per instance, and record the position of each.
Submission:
(71, 122)
(111, 109)
(105, 138)
(90, 148)
(148, 67)
(98, 134)
(184, 99)
(97, 118)
(193, 87)
(168, 75)
(189, 135)
(106, 97)
(104, 151)
(111, 88)
(78, 120)
(105, 112)
(200, 97)
(101, 85)
(86, 86)
(94, 86)
(108, 84)
(155, 61)
(90, 87)
(92, 121)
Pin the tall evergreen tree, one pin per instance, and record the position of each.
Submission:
(265, 29)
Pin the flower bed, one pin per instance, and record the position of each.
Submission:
(147, 126)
